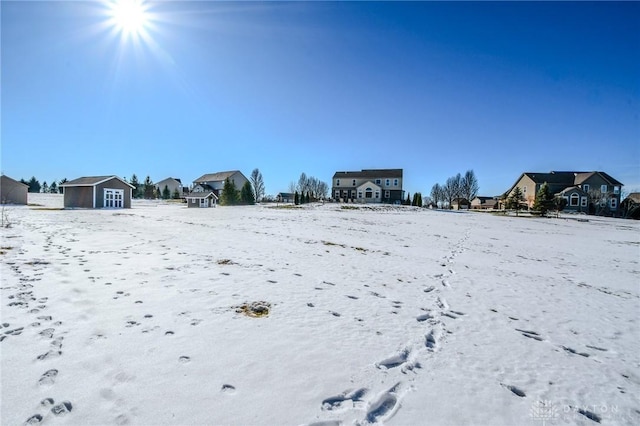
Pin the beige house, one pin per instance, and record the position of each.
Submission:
(368, 186)
(586, 192)
(172, 184)
(97, 192)
(214, 182)
(12, 191)
(483, 203)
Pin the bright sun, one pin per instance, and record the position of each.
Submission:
(129, 16)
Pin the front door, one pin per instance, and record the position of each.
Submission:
(113, 198)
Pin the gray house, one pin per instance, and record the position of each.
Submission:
(202, 199)
(215, 181)
(12, 191)
(96, 192)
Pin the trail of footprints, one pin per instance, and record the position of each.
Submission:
(26, 299)
(383, 405)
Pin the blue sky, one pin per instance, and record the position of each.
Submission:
(433, 88)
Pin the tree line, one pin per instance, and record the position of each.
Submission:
(455, 187)
(307, 189)
(35, 186)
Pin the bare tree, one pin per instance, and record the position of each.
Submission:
(258, 184)
(469, 186)
(293, 187)
(437, 195)
(452, 188)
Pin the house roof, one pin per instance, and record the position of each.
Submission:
(216, 177)
(169, 179)
(14, 181)
(370, 174)
(93, 181)
(634, 196)
(201, 195)
(564, 178)
(484, 198)
(572, 189)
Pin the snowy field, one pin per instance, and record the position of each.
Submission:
(163, 315)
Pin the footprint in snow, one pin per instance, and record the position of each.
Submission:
(383, 408)
(336, 402)
(49, 377)
(228, 389)
(530, 334)
(394, 361)
(62, 409)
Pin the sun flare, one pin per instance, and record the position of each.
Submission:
(129, 16)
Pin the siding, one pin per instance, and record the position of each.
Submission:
(12, 192)
(113, 184)
(78, 196)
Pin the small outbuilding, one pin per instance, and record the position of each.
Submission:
(202, 199)
(12, 191)
(97, 192)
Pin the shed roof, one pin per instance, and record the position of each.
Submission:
(93, 181)
(201, 195)
(14, 181)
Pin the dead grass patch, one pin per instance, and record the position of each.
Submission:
(254, 309)
(226, 262)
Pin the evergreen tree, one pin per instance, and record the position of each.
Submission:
(229, 196)
(414, 201)
(176, 194)
(246, 194)
(166, 194)
(544, 200)
(34, 185)
(53, 188)
(307, 198)
(62, 181)
(419, 199)
(136, 185)
(149, 189)
(296, 198)
(408, 201)
(514, 200)
(45, 187)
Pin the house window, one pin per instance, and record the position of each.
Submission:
(337, 182)
(353, 193)
(387, 182)
(368, 193)
(613, 203)
(377, 194)
(378, 181)
(585, 188)
(524, 189)
(573, 201)
(359, 194)
(203, 202)
(387, 194)
(354, 182)
(603, 188)
(616, 190)
(337, 194)
(395, 182)
(583, 201)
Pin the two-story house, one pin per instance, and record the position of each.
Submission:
(172, 184)
(214, 182)
(587, 192)
(368, 186)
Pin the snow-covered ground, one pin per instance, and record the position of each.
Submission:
(399, 316)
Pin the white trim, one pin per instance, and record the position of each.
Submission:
(94, 197)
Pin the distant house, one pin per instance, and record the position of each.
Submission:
(214, 182)
(285, 197)
(201, 199)
(630, 206)
(587, 192)
(460, 204)
(368, 186)
(172, 184)
(483, 203)
(96, 192)
(12, 191)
